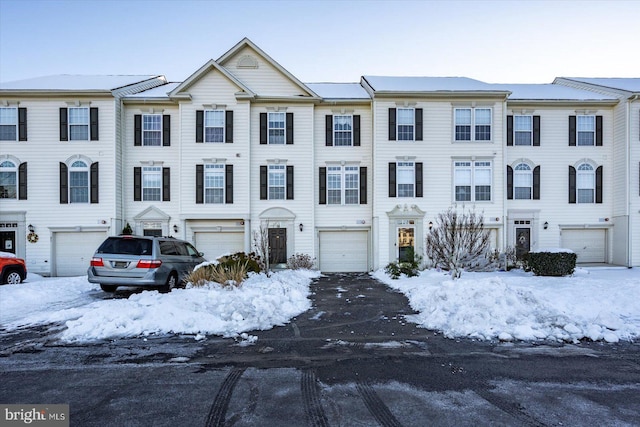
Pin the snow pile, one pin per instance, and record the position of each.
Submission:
(260, 303)
(597, 305)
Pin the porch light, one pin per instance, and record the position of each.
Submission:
(301, 227)
(546, 225)
(430, 225)
(175, 228)
(31, 228)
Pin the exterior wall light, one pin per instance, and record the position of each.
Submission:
(546, 225)
(31, 228)
(430, 225)
(301, 227)
(175, 228)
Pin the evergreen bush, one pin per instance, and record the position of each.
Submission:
(551, 263)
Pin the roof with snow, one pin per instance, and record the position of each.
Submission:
(156, 92)
(631, 84)
(73, 82)
(429, 84)
(551, 92)
(339, 90)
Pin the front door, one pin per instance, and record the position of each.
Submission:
(406, 244)
(277, 246)
(8, 241)
(523, 241)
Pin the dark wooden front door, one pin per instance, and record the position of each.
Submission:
(277, 246)
(523, 242)
(8, 241)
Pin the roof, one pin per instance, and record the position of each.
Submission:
(551, 92)
(72, 82)
(631, 84)
(156, 92)
(428, 84)
(339, 90)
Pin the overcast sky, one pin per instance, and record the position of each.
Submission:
(325, 41)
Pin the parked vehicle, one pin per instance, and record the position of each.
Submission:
(143, 261)
(13, 270)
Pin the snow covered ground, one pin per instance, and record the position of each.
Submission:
(599, 304)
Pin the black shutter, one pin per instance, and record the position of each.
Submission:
(572, 184)
(328, 130)
(228, 182)
(536, 183)
(392, 124)
(418, 124)
(137, 184)
(263, 183)
(509, 183)
(263, 128)
(228, 123)
(392, 180)
(94, 182)
(93, 123)
(199, 184)
(137, 130)
(599, 131)
(536, 131)
(289, 130)
(166, 184)
(322, 188)
(509, 130)
(64, 130)
(356, 131)
(199, 125)
(22, 181)
(289, 182)
(363, 185)
(572, 131)
(166, 130)
(22, 124)
(418, 173)
(64, 183)
(599, 184)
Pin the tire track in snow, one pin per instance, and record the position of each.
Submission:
(311, 397)
(376, 406)
(218, 411)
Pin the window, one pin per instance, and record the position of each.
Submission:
(343, 184)
(342, 131)
(586, 183)
(214, 126)
(151, 183)
(78, 124)
(276, 128)
(523, 181)
(214, 183)
(405, 124)
(472, 124)
(474, 176)
(79, 182)
(405, 179)
(152, 130)
(523, 130)
(586, 126)
(8, 124)
(8, 180)
(276, 182)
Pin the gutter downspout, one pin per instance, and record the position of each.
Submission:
(503, 151)
(628, 181)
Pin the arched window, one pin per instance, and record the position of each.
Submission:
(79, 182)
(8, 180)
(522, 181)
(586, 183)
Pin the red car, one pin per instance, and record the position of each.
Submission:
(12, 270)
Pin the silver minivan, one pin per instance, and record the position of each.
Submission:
(143, 261)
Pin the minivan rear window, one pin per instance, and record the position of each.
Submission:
(128, 246)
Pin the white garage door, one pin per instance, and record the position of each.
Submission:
(344, 251)
(73, 251)
(589, 245)
(214, 245)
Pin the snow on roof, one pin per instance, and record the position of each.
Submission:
(339, 90)
(156, 92)
(631, 84)
(428, 84)
(539, 92)
(63, 82)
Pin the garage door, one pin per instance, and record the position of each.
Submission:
(589, 245)
(344, 251)
(213, 245)
(73, 251)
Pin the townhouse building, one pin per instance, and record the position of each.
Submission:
(353, 174)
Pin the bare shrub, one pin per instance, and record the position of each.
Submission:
(226, 274)
(261, 245)
(301, 261)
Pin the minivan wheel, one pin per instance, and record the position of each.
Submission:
(172, 282)
(108, 288)
(12, 278)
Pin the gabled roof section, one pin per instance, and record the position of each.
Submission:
(551, 92)
(245, 42)
(181, 91)
(330, 91)
(400, 85)
(158, 92)
(81, 83)
(630, 84)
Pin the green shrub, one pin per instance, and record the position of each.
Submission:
(252, 260)
(551, 263)
(409, 266)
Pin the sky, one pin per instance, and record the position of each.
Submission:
(325, 41)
